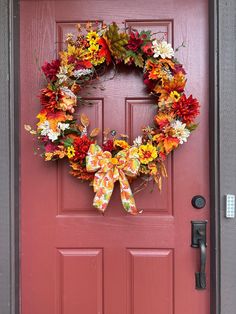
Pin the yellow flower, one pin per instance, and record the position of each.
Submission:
(175, 96)
(70, 152)
(121, 143)
(92, 37)
(147, 153)
(93, 48)
(72, 50)
(96, 62)
(42, 116)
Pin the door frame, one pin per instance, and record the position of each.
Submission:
(9, 143)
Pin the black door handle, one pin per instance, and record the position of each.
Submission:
(201, 276)
(199, 241)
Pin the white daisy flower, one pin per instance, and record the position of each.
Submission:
(162, 49)
(44, 128)
(137, 141)
(63, 126)
(62, 75)
(180, 131)
(52, 135)
(68, 92)
(82, 72)
(84, 132)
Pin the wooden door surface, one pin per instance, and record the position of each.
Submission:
(75, 260)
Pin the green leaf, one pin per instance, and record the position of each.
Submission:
(68, 142)
(136, 58)
(129, 56)
(106, 197)
(71, 121)
(192, 127)
(138, 61)
(72, 131)
(116, 41)
(126, 206)
(147, 33)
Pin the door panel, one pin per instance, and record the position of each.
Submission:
(73, 258)
(80, 270)
(150, 270)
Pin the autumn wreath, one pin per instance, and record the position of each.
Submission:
(61, 136)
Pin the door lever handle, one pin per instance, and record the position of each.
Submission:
(199, 241)
(201, 276)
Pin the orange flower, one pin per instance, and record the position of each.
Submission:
(170, 143)
(49, 98)
(80, 172)
(56, 117)
(59, 99)
(163, 119)
(165, 143)
(56, 154)
(161, 91)
(159, 69)
(176, 84)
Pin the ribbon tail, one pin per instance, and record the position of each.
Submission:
(103, 191)
(126, 194)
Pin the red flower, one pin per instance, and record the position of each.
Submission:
(108, 146)
(149, 83)
(147, 49)
(50, 147)
(51, 69)
(49, 98)
(71, 59)
(80, 65)
(186, 108)
(134, 41)
(81, 146)
(104, 51)
(178, 68)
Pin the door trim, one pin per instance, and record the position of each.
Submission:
(9, 167)
(9, 154)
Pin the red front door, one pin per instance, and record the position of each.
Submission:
(73, 259)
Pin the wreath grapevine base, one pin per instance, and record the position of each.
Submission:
(61, 136)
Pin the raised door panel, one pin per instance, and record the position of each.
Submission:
(74, 197)
(80, 281)
(150, 281)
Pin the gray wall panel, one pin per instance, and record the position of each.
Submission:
(227, 105)
(5, 291)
